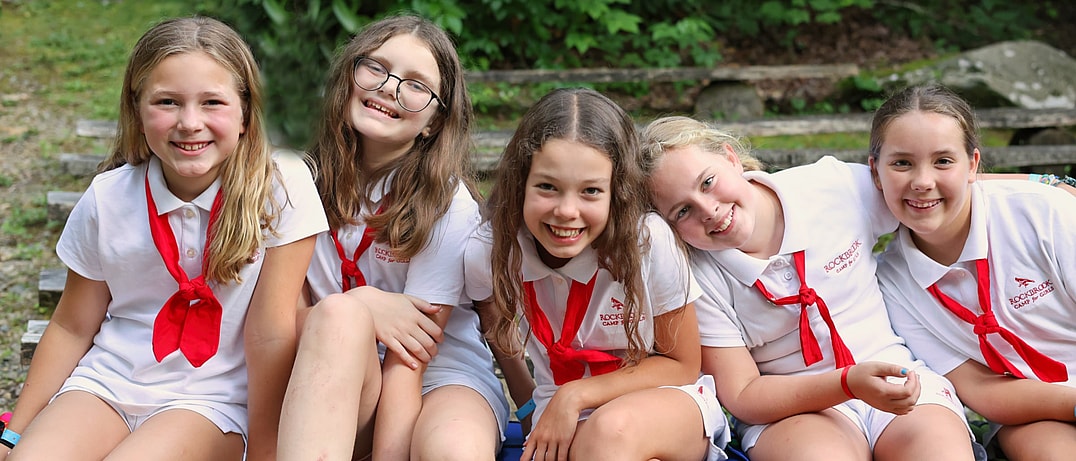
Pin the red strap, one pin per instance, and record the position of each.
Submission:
(349, 268)
(812, 353)
(567, 363)
(190, 319)
(1046, 368)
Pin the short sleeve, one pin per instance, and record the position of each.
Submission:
(669, 280)
(302, 214)
(79, 246)
(477, 264)
(718, 324)
(436, 273)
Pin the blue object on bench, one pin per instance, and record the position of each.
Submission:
(512, 448)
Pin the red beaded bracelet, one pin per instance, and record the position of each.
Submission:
(844, 382)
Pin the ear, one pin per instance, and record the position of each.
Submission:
(733, 158)
(425, 132)
(975, 157)
(874, 172)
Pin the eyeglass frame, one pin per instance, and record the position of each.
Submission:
(400, 81)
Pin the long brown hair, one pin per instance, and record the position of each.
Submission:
(587, 117)
(427, 176)
(247, 174)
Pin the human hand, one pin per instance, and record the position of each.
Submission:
(885, 386)
(402, 324)
(552, 435)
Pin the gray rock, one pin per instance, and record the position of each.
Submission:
(729, 101)
(1026, 74)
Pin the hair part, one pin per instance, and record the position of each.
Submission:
(589, 118)
(431, 170)
(932, 98)
(247, 173)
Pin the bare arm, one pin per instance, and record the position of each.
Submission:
(514, 367)
(401, 400)
(270, 338)
(1007, 400)
(757, 399)
(70, 333)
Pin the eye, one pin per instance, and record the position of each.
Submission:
(680, 213)
(214, 102)
(900, 163)
(945, 161)
(545, 186)
(592, 191)
(416, 87)
(166, 102)
(706, 183)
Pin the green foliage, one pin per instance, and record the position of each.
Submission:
(963, 24)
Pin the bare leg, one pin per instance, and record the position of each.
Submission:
(928, 432)
(653, 423)
(1039, 441)
(61, 430)
(179, 435)
(335, 384)
(827, 435)
(456, 423)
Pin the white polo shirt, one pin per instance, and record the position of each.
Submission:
(107, 238)
(1027, 232)
(435, 275)
(667, 285)
(832, 211)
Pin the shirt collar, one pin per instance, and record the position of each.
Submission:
(166, 201)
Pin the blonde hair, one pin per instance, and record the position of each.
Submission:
(427, 175)
(247, 174)
(587, 117)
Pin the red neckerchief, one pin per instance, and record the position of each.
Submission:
(566, 362)
(1046, 368)
(806, 297)
(190, 319)
(349, 268)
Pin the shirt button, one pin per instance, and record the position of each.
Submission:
(191, 253)
(788, 276)
(188, 213)
(349, 234)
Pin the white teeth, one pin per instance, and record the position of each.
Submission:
(192, 147)
(922, 205)
(383, 109)
(565, 233)
(725, 224)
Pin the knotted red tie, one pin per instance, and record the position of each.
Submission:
(808, 342)
(190, 319)
(1046, 368)
(349, 268)
(567, 363)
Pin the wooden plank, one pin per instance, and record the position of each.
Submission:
(992, 157)
(34, 330)
(50, 285)
(672, 74)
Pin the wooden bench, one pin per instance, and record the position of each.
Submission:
(664, 75)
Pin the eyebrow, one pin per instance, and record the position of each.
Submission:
(411, 74)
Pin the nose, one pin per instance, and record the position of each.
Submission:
(567, 208)
(707, 209)
(394, 88)
(190, 119)
(923, 180)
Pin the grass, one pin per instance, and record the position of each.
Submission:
(75, 51)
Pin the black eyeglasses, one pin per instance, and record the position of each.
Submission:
(413, 95)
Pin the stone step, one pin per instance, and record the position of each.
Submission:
(80, 164)
(59, 205)
(34, 330)
(50, 285)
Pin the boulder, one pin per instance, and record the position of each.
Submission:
(1026, 74)
(728, 101)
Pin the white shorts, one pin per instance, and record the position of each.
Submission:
(714, 422)
(134, 415)
(936, 389)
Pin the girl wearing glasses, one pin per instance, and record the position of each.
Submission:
(389, 337)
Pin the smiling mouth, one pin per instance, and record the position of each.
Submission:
(564, 232)
(384, 110)
(923, 205)
(191, 147)
(726, 223)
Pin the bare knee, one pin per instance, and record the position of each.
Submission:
(609, 433)
(338, 319)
